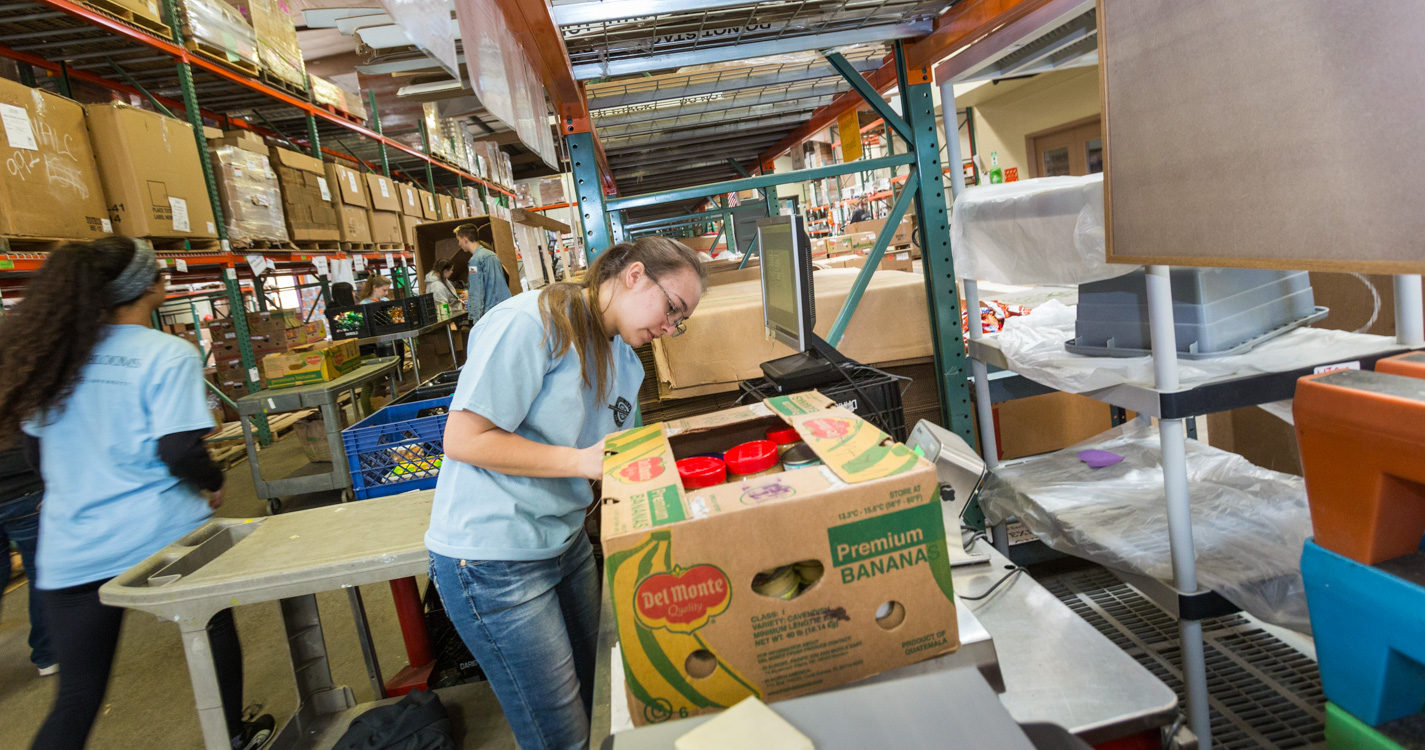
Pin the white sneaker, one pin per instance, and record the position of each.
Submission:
(51, 670)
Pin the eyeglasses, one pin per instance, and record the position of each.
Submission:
(675, 318)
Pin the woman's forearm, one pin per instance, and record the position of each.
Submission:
(508, 453)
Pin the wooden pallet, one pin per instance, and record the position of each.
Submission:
(358, 247)
(382, 247)
(120, 13)
(285, 245)
(213, 54)
(343, 114)
(281, 84)
(316, 246)
(33, 244)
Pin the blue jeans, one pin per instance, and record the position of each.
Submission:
(533, 627)
(20, 523)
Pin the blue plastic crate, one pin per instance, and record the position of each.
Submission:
(395, 451)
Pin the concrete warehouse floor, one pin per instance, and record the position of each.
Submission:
(150, 699)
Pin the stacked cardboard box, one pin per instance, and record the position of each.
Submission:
(551, 191)
(269, 331)
(524, 197)
(901, 237)
(351, 203)
(277, 50)
(306, 196)
(429, 207)
(248, 188)
(411, 212)
(862, 242)
(327, 92)
(839, 246)
(447, 206)
(148, 164)
(51, 187)
(311, 363)
(385, 209)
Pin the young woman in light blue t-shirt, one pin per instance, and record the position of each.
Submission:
(550, 373)
(114, 413)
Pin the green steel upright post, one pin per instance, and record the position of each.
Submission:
(312, 139)
(234, 290)
(932, 218)
(430, 173)
(376, 126)
(590, 194)
(620, 229)
(63, 81)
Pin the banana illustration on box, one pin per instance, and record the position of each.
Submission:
(657, 630)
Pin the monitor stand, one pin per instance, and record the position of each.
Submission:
(806, 370)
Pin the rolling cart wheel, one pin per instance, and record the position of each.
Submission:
(274, 506)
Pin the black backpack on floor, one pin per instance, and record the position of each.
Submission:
(417, 722)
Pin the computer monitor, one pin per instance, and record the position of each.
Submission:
(787, 307)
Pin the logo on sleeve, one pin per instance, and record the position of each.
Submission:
(621, 409)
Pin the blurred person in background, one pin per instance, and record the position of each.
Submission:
(438, 283)
(21, 489)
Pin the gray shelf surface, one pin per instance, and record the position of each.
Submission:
(315, 394)
(1216, 395)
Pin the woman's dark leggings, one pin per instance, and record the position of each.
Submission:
(84, 634)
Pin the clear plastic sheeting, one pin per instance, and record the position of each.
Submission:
(1033, 346)
(427, 24)
(220, 27)
(251, 198)
(1043, 231)
(1249, 524)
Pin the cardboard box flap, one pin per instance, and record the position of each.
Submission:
(852, 447)
(798, 404)
(292, 159)
(639, 469)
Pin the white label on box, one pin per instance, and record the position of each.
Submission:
(320, 262)
(107, 225)
(153, 8)
(271, 403)
(902, 256)
(253, 375)
(1356, 365)
(17, 127)
(390, 261)
(257, 163)
(232, 273)
(180, 265)
(212, 229)
(180, 214)
(385, 192)
(326, 191)
(237, 172)
(430, 202)
(351, 179)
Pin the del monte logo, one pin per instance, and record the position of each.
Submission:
(642, 470)
(683, 599)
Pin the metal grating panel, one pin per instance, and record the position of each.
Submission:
(1264, 693)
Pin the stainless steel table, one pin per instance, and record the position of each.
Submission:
(322, 396)
(410, 338)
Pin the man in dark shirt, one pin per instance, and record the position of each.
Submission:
(860, 212)
(21, 490)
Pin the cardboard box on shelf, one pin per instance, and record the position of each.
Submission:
(410, 200)
(243, 139)
(749, 195)
(386, 227)
(408, 228)
(891, 261)
(428, 205)
(262, 343)
(217, 28)
(149, 167)
(52, 187)
(311, 363)
(1047, 422)
(901, 237)
(250, 195)
(818, 248)
(447, 207)
(385, 196)
(776, 586)
(355, 223)
(725, 342)
(551, 191)
(306, 196)
(862, 242)
(350, 188)
(839, 246)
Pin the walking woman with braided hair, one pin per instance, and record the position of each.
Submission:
(114, 415)
(550, 374)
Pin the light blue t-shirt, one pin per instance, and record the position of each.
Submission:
(511, 380)
(109, 501)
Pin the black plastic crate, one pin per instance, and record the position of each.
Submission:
(388, 316)
(421, 310)
(348, 322)
(871, 394)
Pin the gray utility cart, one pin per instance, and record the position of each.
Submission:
(322, 396)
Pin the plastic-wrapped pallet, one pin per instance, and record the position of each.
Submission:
(277, 50)
(219, 29)
(252, 199)
(326, 92)
(1043, 231)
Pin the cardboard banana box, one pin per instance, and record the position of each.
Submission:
(776, 586)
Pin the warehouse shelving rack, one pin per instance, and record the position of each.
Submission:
(83, 43)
